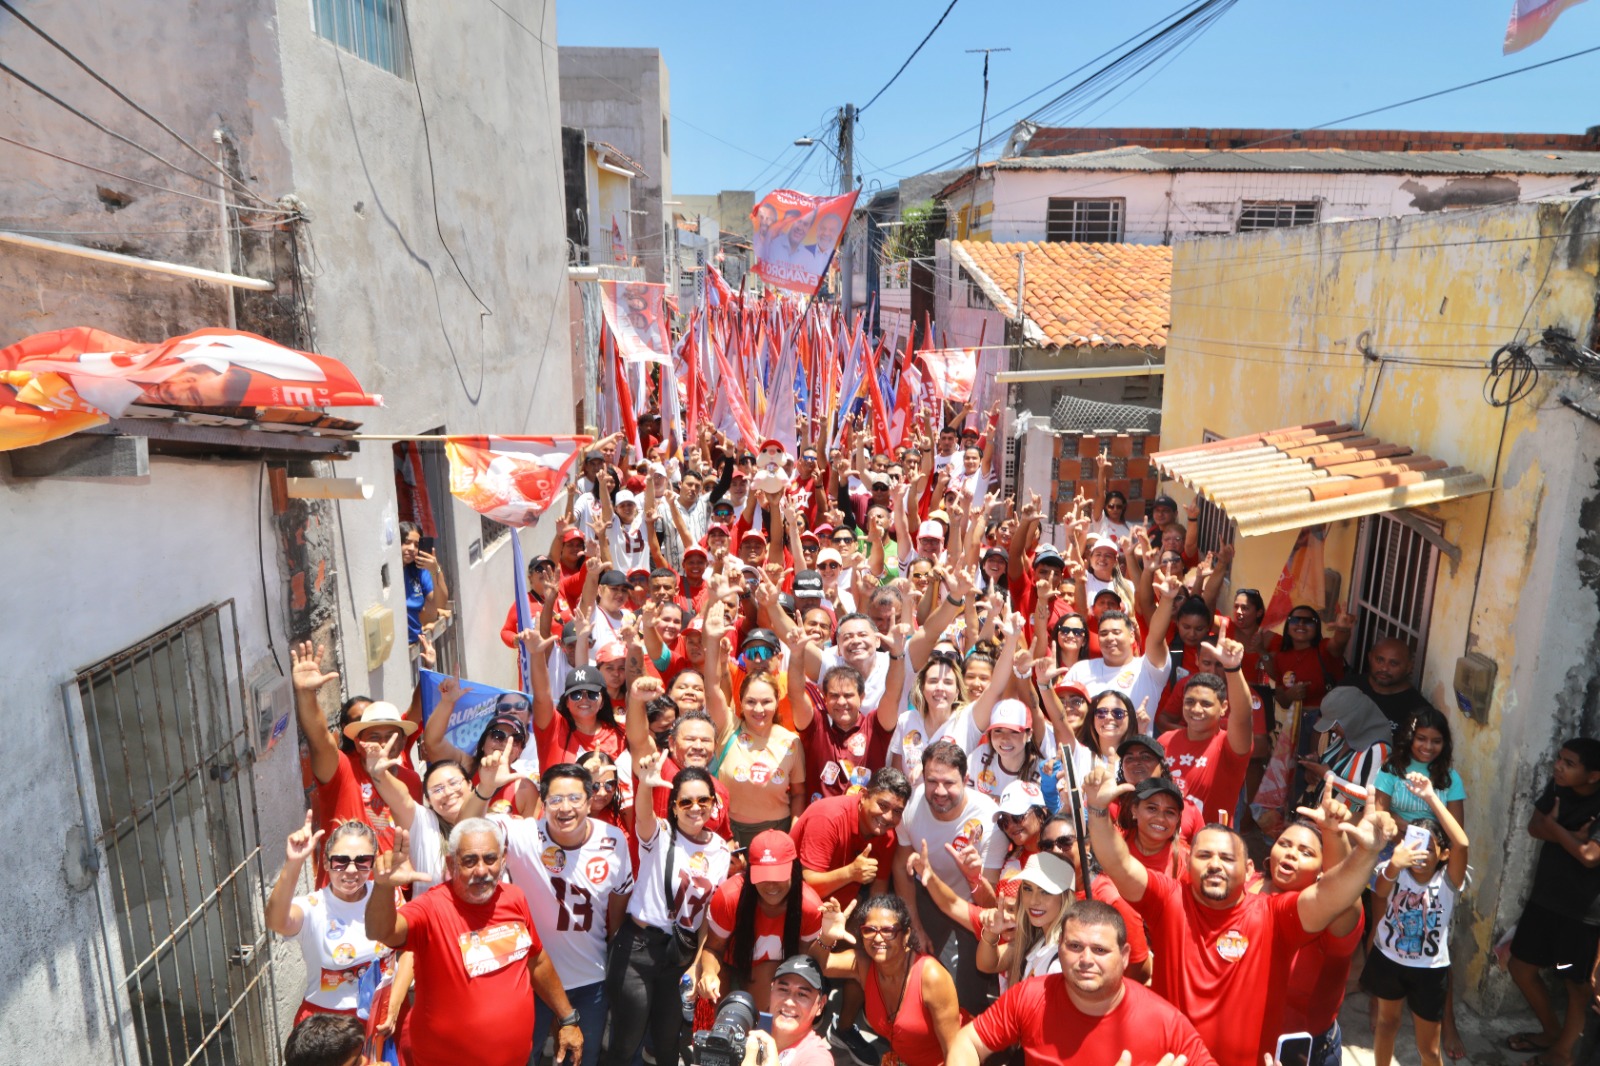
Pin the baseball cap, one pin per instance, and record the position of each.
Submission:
(639, 574)
(614, 578)
(510, 725)
(759, 636)
(1104, 542)
(778, 444)
(824, 531)
(695, 549)
(1019, 798)
(786, 601)
(930, 528)
(537, 561)
(717, 527)
(611, 652)
(1163, 501)
(1011, 714)
(625, 497)
(1063, 686)
(772, 856)
(1050, 872)
(829, 555)
(998, 551)
(1153, 786)
(571, 534)
(380, 713)
(1143, 740)
(812, 537)
(801, 966)
(569, 632)
(584, 679)
(878, 481)
(697, 624)
(808, 582)
(754, 534)
(1046, 555)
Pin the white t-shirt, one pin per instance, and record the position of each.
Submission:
(1415, 927)
(697, 870)
(912, 736)
(630, 547)
(1105, 527)
(1136, 679)
(333, 941)
(974, 825)
(428, 846)
(991, 777)
(872, 694)
(569, 891)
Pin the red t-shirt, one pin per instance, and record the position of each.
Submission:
(473, 986)
(509, 631)
(1210, 772)
(559, 742)
(1317, 980)
(838, 762)
(718, 823)
(1039, 1014)
(1316, 668)
(1103, 889)
(724, 913)
(350, 796)
(1226, 970)
(827, 836)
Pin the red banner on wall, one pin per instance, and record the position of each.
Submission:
(795, 237)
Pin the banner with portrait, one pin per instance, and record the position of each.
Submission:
(474, 708)
(510, 479)
(951, 372)
(795, 236)
(636, 314)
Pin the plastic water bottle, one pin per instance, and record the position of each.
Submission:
(686, 994)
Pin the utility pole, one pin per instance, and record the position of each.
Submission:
(983, 113)
(847, 181)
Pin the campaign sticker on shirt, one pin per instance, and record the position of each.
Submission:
(972, 831)
(856, 745)
(597, 870)
(913, 739)
(699, 863)
(830, 773)
(860, 776)
(344, 953)
(759, 772)
(500, 806)
(1232, 945)
(555, 859)
(486, 951)
(334, 980)
(741, 775)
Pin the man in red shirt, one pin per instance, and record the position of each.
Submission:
(1207, 761)
(478, 959)
(693, 742)
(1223, 956)
(847, 843)
(843, 746)
(1089, 1014)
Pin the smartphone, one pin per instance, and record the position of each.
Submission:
(1294, 1049)
(764, 1022)
(425, 544)
(1418, 839)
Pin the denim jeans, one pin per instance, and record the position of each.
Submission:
(590, 1003)
(1327, 1048)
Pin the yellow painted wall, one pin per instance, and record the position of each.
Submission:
(1267, 331)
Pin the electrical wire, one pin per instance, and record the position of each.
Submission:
(125, 98)
(926, 38)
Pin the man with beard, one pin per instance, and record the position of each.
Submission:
(577, 875)
(1089, 1014)
(1215, 943)
(478, 961)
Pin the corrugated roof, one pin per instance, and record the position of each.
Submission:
(627, 161)
(1313, 161)
(1079, 295)
(1304, 475)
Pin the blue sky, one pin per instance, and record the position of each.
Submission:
(748, 78)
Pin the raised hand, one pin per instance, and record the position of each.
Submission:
(1100, 788)
(1142, 715)
(1373, 831)
(864, 868)
(383, 760)
(1405, 856)
(1230, 653)
(302, 843)
(450, 687)
(996, 924)
(917, 864)
(1167, 586)
(835, 922)
(894, 642)
(496, 770)
(967, 857)
(648, 772)
(1421, 786)
(307, 675)
(392, 869)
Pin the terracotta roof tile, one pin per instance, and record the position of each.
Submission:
(1084, 295)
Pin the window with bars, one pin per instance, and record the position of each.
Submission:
(373, 30)
(1275, 214)
(1091, 221)
(1394, 573)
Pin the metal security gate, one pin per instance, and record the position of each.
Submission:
(169, 768)
(1393, 594)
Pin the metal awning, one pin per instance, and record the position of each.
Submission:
(1305, 475)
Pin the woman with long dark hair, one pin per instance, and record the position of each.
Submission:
(1112, 719)
(681, 862)
(756, 920)
(1423, 746)
(584, 719)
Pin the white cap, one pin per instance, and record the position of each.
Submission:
(624, 497)
(1050, 872)
(1105, 542)
(930, 528)
(1020, 797)
(1011, 714)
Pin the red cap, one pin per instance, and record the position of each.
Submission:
(772, 856)
(754, 534)
(717, 528)
(571, 534)
(635, 483)
(695, 549)
(778, 444)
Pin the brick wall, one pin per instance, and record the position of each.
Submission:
(1059, 141)
(1131, 472)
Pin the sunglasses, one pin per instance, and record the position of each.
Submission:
(881, 932)
(1074, 631)
(605, 786)
(1301, 620)
(759, 653)
(1058, 843)
(1005, 821)
(831, 566)
(583, 694)
(1252, 593)
(843, 538)
(689, 804)
(347, 862)
(500, 736)
(1114, 713)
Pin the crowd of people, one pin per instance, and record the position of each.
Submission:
(840, 730)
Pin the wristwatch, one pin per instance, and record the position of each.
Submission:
(569, 1020)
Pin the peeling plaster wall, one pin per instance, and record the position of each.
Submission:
(1265, 333)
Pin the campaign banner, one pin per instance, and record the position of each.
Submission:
(795, 237)
(1531, 20)
(510, 479)
(477, 704)
(951, 372)
(635, 312)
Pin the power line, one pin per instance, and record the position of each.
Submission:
(64, 50)
(926, 38)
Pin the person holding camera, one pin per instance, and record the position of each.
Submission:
(681, 863)
(757, 919)
(796, 1001)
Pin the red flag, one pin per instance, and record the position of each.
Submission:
(880, 418)
(510, 479)
(629, 419)
(952, 372)
(1302, 579)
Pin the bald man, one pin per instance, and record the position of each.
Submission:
(1388, 681)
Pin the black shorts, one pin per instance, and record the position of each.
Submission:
(1422, 989)
(1551, 941)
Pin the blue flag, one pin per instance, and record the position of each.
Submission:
(473, 710)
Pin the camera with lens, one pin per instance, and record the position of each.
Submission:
(723, 1043)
